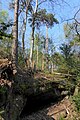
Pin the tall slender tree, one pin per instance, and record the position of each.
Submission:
(34, 12)
(49, 21)
(38, 18)
(24, 25)
(15, 37)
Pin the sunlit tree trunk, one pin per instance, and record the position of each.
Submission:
(46, 44)
(24, 27)
(52, 67)
(32, 42)
(46, 47)
(15, 36)
(43, 60)
(32, 35)
(37, 57)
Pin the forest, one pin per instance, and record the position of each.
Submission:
(39, 60)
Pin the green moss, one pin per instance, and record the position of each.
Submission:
(2, 89)
(24, 87)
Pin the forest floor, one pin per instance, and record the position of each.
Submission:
(63, 109)
(38, 83)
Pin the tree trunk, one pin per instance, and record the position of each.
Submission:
(46, 47)
(43, 51)
(46, 44)
(32, 42)
(24, 27)
(37, 56)
(23, 37)
(52, 67)
(15, 37)
(32, 36)
(43, 62)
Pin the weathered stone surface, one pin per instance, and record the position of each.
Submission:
(64, 109)
(14, 107)
(40, 115)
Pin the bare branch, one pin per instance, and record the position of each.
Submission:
(76, 28)
(41, 2)
(76, 15)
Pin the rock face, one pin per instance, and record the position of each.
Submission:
(10, 103)
(41, 115)
(63, 109)
(14, 108)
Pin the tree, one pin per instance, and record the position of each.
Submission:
(5, 34)
(72, 33)
(67, 53)
(24, 25)
(49, 21)
(39, 18)
(15, 36)
(33, 11)
(37, 43)
(31, 6)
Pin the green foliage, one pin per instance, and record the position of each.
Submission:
(72, 59)
(67, 55)
(3, 16)
(42, 17)
(66, 51)
(5, 35)
(2, 90)
(69, 30)
(72, 34)
(76, 65)
(23, 88)
(76, 99)
(61, 118)
(47, 18)
(57, 58)
(20, 88)
(21, 60)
